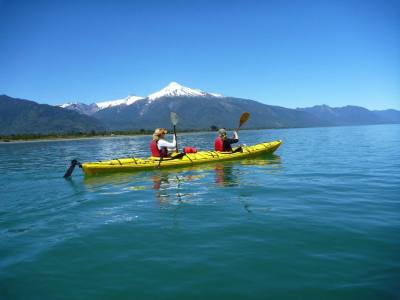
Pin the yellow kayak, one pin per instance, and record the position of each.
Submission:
(132, 164)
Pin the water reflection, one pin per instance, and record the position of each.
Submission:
(174, 187)
(114, 179)
(226, 175)
(184, 185)
(165, 185)
(267, 159)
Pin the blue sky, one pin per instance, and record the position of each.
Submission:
(287, 53)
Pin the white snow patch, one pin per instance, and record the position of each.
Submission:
(217, 95)
(125, 101)
(65, 105)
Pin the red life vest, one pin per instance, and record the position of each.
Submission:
(218, 144)
(154, 149)
(156, 152)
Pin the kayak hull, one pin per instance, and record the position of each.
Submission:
(132, 164)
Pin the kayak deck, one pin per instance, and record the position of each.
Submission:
(132, 164)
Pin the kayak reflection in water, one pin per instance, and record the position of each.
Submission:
(167, 186)
(160, 185)
(159, 147)
(224, 176)
(224, 144)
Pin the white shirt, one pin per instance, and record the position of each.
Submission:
(163, 143)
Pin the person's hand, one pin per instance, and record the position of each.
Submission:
(235, 135)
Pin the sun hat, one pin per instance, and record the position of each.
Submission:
(222, 132)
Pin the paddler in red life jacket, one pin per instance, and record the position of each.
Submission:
(223, 144)
(159, 146)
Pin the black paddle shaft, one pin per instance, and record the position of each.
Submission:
(71, 168)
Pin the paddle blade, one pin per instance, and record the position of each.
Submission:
(71, 168)
(174, 118)
(245, 116)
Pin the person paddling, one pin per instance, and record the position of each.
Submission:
(159, 147)
(223, 144)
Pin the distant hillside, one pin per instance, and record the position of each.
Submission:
(388, 115)
(201, 113)
(18, 116)
(351, 115)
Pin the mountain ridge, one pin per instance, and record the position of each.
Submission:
(352, 115)
(173, 89)
(20, 116)
(201, 113)
(196, 110)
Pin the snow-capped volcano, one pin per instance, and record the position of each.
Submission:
(174, 89)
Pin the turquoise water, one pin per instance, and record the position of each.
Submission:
(318, 220)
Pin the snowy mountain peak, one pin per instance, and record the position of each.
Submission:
(89, 109)
(174, 89)
(125, 101)
(174, 85)
(65, 105)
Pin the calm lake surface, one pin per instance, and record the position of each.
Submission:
(318, 220)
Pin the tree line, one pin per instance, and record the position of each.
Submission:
(92, 133)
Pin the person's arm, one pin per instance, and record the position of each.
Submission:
(235, 136)
(164, 143)
(231, 141)
(234, 139)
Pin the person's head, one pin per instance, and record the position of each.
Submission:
(159, 133)
(222, 133)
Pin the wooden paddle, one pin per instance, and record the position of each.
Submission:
(243, 119)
